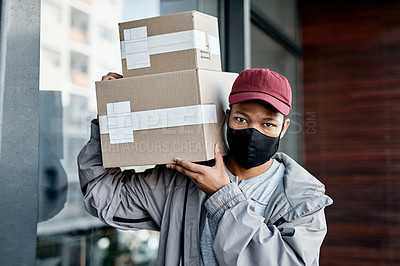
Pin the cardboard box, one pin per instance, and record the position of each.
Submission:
(153, 118)
(169, 43)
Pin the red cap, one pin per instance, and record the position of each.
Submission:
(265, 85)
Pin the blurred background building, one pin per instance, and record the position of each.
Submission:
(341, 58)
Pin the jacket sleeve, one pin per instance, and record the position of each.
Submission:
(243, 238)
(126, 200)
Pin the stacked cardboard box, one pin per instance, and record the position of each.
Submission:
(172, 98)
(169, 43)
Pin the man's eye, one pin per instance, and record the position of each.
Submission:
(268, 125)
(241, 120)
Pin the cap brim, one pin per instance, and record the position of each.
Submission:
(248, 96)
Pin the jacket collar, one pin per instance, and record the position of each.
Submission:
(299, 194)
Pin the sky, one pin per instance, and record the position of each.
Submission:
(138, 9)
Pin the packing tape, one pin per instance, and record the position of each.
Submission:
(155, 119)
(177, 41)
(119, 122)
(136, 47)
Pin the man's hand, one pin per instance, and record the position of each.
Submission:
(208, 179)
(110, 76)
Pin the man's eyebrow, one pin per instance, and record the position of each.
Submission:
(264, 119)
(241, 113)
(270, 119)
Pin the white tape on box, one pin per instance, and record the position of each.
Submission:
(166, 117)
(122, 46)
(137, 47)
(119, 122)
(138, 60)
(135, 33)
(177, 41)
(213, 45)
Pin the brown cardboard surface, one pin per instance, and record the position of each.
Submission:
(173, 23)
(177, 60)
(173, 89)
(160, 62)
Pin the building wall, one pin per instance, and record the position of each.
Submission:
(351, 76)
(19, 130)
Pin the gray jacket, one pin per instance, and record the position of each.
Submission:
(162, 199)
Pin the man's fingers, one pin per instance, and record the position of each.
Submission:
(189, 165)
(111, 75)
(107, 77)
(183, 170)
(115, 75)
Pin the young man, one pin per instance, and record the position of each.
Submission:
(253, 207)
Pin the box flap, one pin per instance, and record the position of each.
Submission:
(215, 88)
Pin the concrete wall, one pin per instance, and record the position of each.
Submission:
(19, 127)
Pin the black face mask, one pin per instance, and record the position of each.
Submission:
(250, 148)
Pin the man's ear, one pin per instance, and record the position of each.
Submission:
(285, 126)
(227, 113)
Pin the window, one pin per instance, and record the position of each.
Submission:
(51, 11)
(50, 55)
(275, 45)
(283, 14)
(79, 30)
(73, 58)
(106, 33)
(79, 69)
